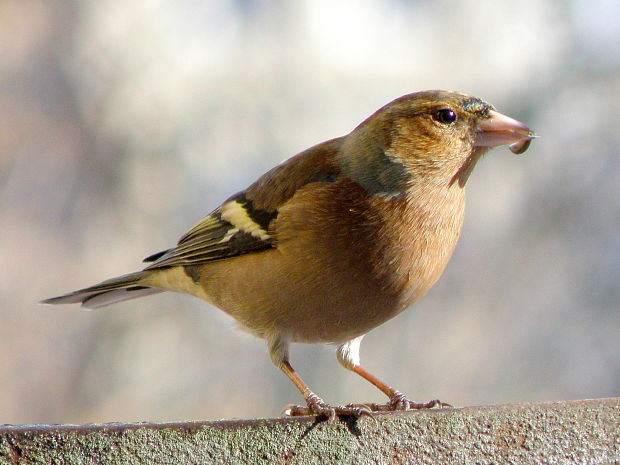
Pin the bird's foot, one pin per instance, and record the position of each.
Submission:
(317, 406)
(398, 401)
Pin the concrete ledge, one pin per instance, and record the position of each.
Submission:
(575, 432)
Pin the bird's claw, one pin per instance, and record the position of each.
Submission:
(316, 406)
(399, 401)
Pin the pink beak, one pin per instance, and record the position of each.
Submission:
(500, 129)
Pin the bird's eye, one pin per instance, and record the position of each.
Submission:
(445, 116)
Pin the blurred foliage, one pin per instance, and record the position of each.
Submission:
(123, 123)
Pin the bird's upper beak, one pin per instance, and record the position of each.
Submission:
(500, 129)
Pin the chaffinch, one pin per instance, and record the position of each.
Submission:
(336, 240)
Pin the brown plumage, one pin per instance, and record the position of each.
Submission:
(338, 239)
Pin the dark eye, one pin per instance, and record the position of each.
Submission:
(445, 116)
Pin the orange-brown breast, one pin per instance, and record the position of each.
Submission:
(343, 264)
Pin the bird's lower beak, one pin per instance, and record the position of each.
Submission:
(500, 129)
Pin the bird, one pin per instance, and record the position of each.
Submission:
(337, 239)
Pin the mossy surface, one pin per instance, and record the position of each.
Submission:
(558, 433)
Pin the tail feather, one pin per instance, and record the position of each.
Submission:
(108, 292)
(103, 299)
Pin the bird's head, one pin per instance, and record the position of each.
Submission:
(430, 138)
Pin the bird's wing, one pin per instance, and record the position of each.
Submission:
(244, 223)
(226, 232)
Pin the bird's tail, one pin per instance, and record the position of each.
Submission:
(111, 291)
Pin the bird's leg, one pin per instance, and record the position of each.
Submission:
(398, 401)
(278, 350)
(348, 356)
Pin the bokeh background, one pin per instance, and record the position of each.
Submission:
(123, 123)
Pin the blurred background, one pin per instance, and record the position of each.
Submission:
(123, 123)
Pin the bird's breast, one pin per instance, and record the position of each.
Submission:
(344, 264)
(413, 240)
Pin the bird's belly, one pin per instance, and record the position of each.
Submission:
(269, 293)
